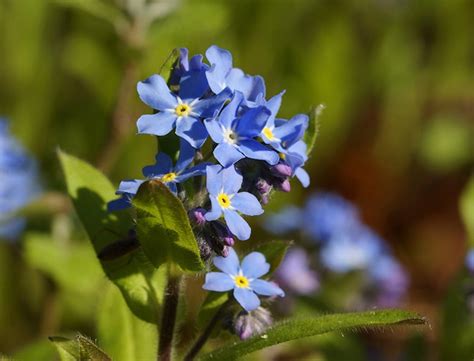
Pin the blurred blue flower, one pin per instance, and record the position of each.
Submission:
(353, 250)
(235, 133)
(222, 75)
(19, 183)
(285, 221)
(177, 110)
(470, 260)
(243, 279)
(326, 214)
(294, 273)
(162, 170)
(223, 186)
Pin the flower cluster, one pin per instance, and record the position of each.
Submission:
(18, 183)
(221, 115)
(233, 152)
(344, 244)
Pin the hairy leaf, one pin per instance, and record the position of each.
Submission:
(68, 349)
(295, 329)
(132, 272)
(313, 127)
(164, 230)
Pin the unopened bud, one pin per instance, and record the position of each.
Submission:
(248, 324)
(223, 233)
(281, 170)
(196, 215)
(284, 186)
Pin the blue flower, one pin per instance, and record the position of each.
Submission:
(18, 183)
(353, 250)
(223, 186)
(235, 133)
(162, 170)
(295, 273)
(470, 260)
(222, 75)
(327, 214)
(288, 220)
(180, 111)
(243, 279)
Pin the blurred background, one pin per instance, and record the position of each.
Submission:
(396, 139)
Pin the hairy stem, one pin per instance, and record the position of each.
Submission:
(168, 319)
(201, 341)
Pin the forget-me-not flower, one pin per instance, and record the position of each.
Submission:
(223, 185)
(18, 183)
(243, 279)
(178, 111)
(162, 170)
(235, 133)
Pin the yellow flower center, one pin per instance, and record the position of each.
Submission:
(282, 156)
(182, 110)
(268, 133)
(168, 177)
(224, 200)
(241, 281)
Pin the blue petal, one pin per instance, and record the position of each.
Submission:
(221, 64)
(227, 154)
(250, 86)
(292, 130)
(231, 180)
(252, 122)
(274, 104)
(215, 212)
(192, 130)
(254, 265)
(119, 204)
(266, 288)
(237, 225)
(186, 156)
(255, 150)
(230, 110)
(218, 281)
(155, 93)
(200, 169)
(303, 177)
(247, 298)
(229, 264)
(208, 108)
(214, 129)
(247, 203)
(193, 84)
(156, 124)
(163, 165)
(129, 186)
(214, 179)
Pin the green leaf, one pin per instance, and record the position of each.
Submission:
(68, 349)
(312, 132)
(274, 252)
(163, 228)
(124, 336)
(72, 265)
(169, 65)
(295, 329)
(209, 307)
(90, 349)
(132, 272)
(467, 209)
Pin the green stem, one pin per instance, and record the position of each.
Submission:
(168, 319)
(201, 341)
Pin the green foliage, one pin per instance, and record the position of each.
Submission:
(164, 230)
(133, 274)
(123, 335)
(313, 127)
(72, 266)
(295, 329)
(467, 209)
(79, 349)
(209, 307)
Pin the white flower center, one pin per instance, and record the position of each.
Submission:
(230, 136)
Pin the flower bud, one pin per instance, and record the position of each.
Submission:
(282, 170)
(248, 324)
(284, 186)
(196, 215)
(223, 233)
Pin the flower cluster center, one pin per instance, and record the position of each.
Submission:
(224, 200)
(268, 133)
(241, 281)
(182, 110)
(168, 177)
